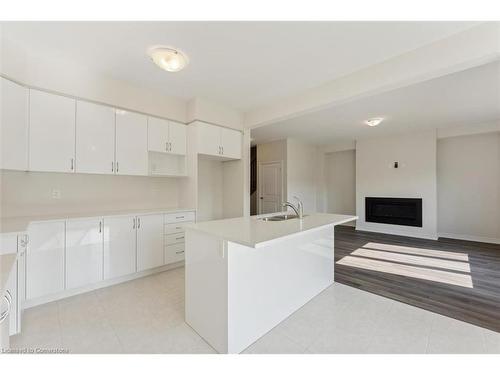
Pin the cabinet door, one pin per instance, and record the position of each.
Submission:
(84, 252)
(149, 241)
(209, 139)
(131, 143)
(45, 259)
(231, 143)
(52, 133)
(13, 126)
(95, 138)
(157, 134)
(177, 138)
(119, 246)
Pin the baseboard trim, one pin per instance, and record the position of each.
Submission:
(102, 284)
(398, 233)
(466, 237)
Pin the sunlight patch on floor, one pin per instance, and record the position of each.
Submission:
(418, 263)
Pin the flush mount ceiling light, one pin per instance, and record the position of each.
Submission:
(167, 58)
(374, 121)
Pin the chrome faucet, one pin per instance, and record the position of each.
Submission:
(299, 210)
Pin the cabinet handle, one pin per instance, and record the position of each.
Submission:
(72, 164)
(133, 226)
(100, 226)
(179, 238)
(222, 147)
(112, 166)
(179, 252)
(117, 167)
(138, 223)
(179, 217)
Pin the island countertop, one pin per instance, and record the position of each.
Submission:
(252, 231)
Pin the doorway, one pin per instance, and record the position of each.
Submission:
(270, 187)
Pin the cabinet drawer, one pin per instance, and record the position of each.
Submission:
(179, 217)
(176, 227)
(175, 238)
(174, 253)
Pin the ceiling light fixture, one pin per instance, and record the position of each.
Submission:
(167, 58)
(374, 121)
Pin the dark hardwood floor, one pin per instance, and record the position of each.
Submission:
(479, 305)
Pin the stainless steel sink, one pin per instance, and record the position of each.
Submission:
(280, 217)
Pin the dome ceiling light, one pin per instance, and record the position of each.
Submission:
(167, 58)
(374, 121)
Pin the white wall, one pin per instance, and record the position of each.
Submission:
(50, 72)
(468, 170)
(30, 193)
(210, 189)
(214, 113)
(340, 177)
(302, 173)
(416, 178)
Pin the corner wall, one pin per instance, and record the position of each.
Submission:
(468, 170)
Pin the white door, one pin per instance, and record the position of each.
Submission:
(149, 241)
(177, 138)
(45, 259)
(84, 252)
(119, 246)
(158, 135)
(95, 138)
(209, 139)
(231, 143)
(52, 133)
(131, 143)
(13, 126)
(270, 187)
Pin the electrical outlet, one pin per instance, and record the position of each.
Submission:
(56, 194)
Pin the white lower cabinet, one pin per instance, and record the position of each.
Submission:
(119, 246)
(84, 252)
(45, 259)
(174, 253)
(149, 241)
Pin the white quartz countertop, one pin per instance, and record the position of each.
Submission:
(7, 263)
(20, 224)
(254, 232)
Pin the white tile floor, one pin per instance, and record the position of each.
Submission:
(147, 316)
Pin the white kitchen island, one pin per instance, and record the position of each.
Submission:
(246, 275)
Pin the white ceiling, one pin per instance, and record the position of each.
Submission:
(240, 64)
(470, 97)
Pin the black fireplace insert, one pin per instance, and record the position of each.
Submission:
(399, 211)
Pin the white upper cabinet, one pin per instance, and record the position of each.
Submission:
(157, 134)
(218, 141)
(209, 139)
(231, 143)
(52, 133)
(95, 138)
(149, 241)
(166, 136)
(177, 138)
(131, 143)
(13, 126)
(84, 252)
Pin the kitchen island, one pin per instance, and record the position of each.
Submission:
(246, 275)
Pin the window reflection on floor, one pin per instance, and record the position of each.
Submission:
(432, 265)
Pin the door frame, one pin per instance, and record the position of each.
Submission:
(259, 181)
